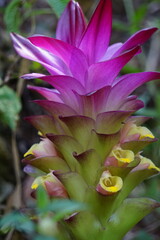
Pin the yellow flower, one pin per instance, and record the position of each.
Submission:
(123, 156)
(142, 131)
(52, 185)
(151, 165)
(109, 184)
(44, 148)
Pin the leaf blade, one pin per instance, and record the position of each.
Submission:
(58, 6)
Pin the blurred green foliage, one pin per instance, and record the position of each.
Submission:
(10, 106)
(17, 220)
(58, 6)
(12, 16)
(143, 235)
(39, 224)
(14, 19)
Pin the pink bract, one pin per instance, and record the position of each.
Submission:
(82, 66)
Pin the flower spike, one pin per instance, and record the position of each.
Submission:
(90, 144)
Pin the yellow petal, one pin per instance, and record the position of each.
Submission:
(44, 148)
(31, 150)
(37, 182)
(142, 131)
(34, 186)
(51, 184)
(109, 184)
(123, 156)
(149, 162)
(40, 134)
(41, 180)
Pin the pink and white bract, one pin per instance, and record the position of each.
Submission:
(90, 142)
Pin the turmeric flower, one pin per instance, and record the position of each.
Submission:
(90, 148)
(83, 68)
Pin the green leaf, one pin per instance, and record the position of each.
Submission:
(149, 112)
(42, 198)
(120, 26)
(157, 101)
(61, 207)
(18, 221)
(151, 190)
(10, 106)
(143, 235)
(138, 17)
(65, 207)
(130, 69)
(12, 16)
(131, 211)
(58, 6)
(39, 237)
(133, 179)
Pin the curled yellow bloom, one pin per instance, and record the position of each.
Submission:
(123, 156)
(52, 185)
(31, 150)
(142, 131)
(41, 180)
(44, 148)
(151, 165)
(109, 184)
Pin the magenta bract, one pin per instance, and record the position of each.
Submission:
(81, 62)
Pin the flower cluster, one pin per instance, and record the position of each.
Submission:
(91, 146)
